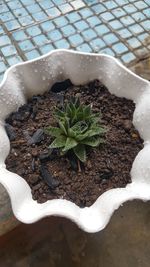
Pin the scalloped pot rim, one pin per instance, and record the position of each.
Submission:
(36, 76)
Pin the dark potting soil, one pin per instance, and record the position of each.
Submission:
(52, 176)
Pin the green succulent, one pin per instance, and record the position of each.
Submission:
(78, 127)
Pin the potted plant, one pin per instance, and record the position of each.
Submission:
(35, 77)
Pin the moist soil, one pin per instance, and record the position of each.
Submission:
(52, 176)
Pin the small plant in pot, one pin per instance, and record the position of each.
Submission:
(78, 127)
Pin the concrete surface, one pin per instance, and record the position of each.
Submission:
(56, 242)
(7, 220)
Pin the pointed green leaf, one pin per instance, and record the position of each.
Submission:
(74, 120)
(86, 111)
(72, 99)
(53, 131)
(94, 118)
(69, 111)
(70, 143)
(71, 133)
(67, 124)
(96, 131)
(62, 126)
(80, 137)
(80, 109)
(59, 113)
(94, 142)
(58, 142)
(80, 152)
(90, 133)
(72, 106)
(80, 127)
(77, 102)
(76, 127)
(80, 116)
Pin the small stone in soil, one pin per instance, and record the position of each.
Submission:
(22, 114)
(45, 156)
(33, 164)
(17, 116)
(105, 174)
(48, 178)
(36, 187)
(61, 86)
(36, 98)
(34, 179)
(34, 113)
(37, 137)
(34, 152)
(27, 136)
(127, 125)
(92, 87)
(60, 98)
(104, 181)
(10, 132)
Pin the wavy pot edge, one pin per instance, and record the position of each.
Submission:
(36, 76)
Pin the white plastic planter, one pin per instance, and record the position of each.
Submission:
(33, 77)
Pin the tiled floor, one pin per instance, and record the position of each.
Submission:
(30, 28)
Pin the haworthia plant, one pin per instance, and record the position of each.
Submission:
(78, 127)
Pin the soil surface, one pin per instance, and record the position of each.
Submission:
(52, 176)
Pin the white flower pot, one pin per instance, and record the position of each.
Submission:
(36, 76)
